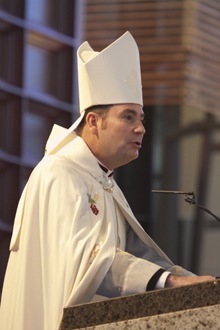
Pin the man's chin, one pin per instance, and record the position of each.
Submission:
(133, 157)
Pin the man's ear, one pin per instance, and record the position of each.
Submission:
(92, 121)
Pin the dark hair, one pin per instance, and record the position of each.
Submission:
(101, 110)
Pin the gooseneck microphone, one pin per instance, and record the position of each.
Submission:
(189, 198)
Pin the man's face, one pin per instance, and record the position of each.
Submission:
(120, 134)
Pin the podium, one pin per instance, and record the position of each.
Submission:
(188, 307)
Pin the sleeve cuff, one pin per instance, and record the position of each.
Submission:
(162, 280)
(158, 280)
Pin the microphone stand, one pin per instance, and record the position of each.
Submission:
(189, 198)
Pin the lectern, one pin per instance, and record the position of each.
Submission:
(188, 307)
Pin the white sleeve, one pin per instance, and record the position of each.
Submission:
(127, 275)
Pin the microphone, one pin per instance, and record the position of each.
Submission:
(190, 198)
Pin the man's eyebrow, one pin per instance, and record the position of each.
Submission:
(133, 112)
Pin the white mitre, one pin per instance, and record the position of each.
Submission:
(112, 76)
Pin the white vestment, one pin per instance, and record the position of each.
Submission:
(65, 239)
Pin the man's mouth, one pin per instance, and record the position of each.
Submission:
(137, 143)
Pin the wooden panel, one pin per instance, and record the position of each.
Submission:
(157, 27)
(203, 64)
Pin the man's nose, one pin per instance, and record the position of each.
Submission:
(140, 128)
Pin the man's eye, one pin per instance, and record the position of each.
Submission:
(128, 117)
